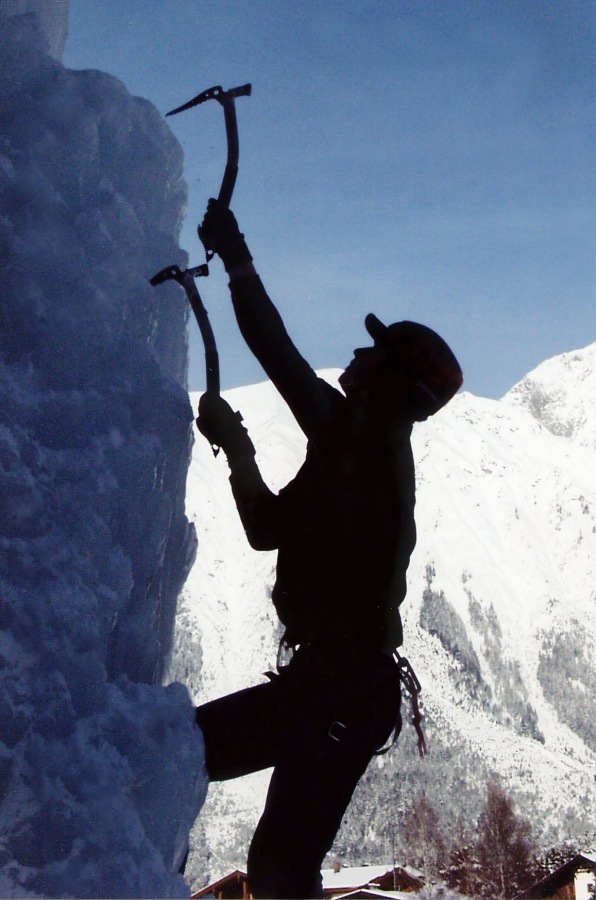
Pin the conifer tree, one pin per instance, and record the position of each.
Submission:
(463, 872)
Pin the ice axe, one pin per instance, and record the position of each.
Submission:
(186, 277)
(228, 100)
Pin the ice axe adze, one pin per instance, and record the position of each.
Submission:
(186, 277)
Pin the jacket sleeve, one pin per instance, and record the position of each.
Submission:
(264, 331)
(257, 506)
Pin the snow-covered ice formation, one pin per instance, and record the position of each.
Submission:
(51, 18)
(101, 767)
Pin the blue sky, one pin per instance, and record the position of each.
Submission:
(423, 160)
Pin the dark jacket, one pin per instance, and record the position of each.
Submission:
(344, 526)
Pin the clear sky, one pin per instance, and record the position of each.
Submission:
(420, 159)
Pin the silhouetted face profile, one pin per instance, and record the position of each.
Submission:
(362, 371)
(410, 370)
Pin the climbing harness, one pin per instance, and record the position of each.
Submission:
(409, 679)
(285, 652)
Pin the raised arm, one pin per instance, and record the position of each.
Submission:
(256, 503)
(261, 324)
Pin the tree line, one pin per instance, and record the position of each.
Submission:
(494, 858)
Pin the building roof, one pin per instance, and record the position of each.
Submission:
(548, 886)
(350, 878)
(232, 878)
(373, 894)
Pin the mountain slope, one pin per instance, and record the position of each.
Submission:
(499, 618)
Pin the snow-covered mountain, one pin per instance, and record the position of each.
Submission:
(499, 620)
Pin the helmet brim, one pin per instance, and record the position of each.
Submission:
(375, 328)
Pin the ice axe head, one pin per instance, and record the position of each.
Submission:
(175, 273)
(214, 93)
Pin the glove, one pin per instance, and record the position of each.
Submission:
(220, 234)
(223, 427)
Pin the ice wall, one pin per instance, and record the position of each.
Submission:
(52, 19)
(101, 769)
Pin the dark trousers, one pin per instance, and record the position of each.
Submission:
(318, 724)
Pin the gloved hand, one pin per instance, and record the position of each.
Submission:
(223, 427)
(220, 234)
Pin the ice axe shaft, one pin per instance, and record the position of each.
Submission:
(202, 317)
(186, 278)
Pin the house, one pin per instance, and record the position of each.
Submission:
(570, 881)
(339, 883)
(342, 881)
(231, 887)
(373, 894)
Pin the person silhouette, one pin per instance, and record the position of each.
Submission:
(344, 531)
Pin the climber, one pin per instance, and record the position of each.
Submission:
(344, 531)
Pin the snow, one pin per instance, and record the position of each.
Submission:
(352, 876)
(506, 533)
(562, 404)
(101, 766)
(389, 895)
